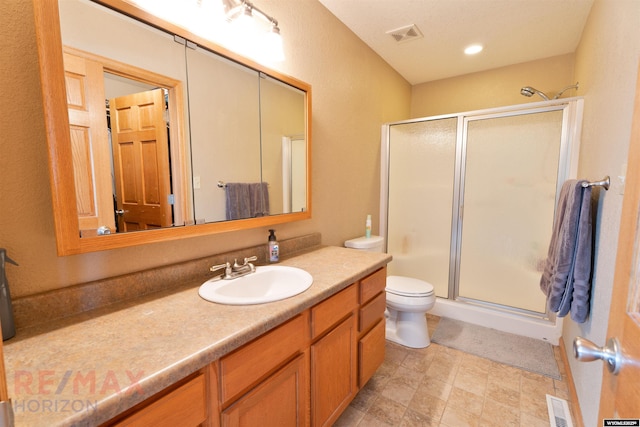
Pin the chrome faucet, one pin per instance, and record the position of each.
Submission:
(236, 270)
(246, 267)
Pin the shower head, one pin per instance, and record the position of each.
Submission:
(528, 91)
(575, 86)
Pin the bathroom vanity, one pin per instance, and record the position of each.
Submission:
(172, 358)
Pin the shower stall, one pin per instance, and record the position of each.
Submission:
(467, 204)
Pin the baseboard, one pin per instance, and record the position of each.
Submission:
(576, 412)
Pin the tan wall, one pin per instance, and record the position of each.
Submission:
(493, 88)
(354, 92)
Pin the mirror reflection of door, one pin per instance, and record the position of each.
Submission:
(294, 174)
(90, 145)
(140, 144)
(298, 175)
(135, 130)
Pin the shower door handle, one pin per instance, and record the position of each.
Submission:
(586, 351)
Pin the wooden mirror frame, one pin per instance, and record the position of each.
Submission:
(69, 242)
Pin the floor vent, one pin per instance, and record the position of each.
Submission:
(559, 415)
(405, 34)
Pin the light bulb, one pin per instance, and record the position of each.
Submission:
(243, 31)
(273, 45)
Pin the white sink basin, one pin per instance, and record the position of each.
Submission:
(267, 284)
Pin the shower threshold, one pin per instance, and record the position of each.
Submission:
(516, 321)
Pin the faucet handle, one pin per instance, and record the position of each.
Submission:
(245, 262)
(218, 267)
(252, 258)
(251, 266)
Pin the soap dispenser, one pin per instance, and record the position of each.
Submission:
(6, 309)
(367, 227)
(274, 248)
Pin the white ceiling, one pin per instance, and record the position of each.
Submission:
(511, 31)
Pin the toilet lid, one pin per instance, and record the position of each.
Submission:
(408, 286)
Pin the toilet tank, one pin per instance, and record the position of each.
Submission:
(372, 244)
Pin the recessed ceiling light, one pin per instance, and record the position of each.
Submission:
(473, 49)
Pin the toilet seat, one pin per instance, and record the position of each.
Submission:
(408, 287)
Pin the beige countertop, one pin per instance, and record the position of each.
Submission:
(86, 369)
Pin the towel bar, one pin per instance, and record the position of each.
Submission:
(606, 182)
(222, 184)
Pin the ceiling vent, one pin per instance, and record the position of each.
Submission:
(404, 34)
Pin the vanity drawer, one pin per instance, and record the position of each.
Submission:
(184, 406)
(371, 353)
(332, 310)
(373, 284)
(372, 312)
(252, 362)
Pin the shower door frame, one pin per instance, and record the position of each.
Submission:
(572, 109)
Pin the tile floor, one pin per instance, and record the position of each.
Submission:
(444, 387)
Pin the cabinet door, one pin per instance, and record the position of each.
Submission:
(333, 372)
(371, 352)
(281, 400)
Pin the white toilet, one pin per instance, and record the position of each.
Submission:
(408, 301)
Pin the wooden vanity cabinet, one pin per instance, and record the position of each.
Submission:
(303, 372)
(333, 356)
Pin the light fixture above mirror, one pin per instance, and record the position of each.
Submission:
(236, 24)
(256, 33)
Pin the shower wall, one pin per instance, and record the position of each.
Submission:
(422, 160)
(508, 197)
(468, 200)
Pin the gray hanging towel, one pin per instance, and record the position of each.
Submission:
(581, 270)
(246, 200)
(567, 271)
(259, 194)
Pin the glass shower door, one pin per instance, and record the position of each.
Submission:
(421, 164)
(507, 202)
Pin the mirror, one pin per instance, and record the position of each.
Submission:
(218, 125)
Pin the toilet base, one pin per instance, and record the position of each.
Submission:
(407, 329)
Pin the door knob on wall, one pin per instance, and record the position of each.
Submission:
(586, 351)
